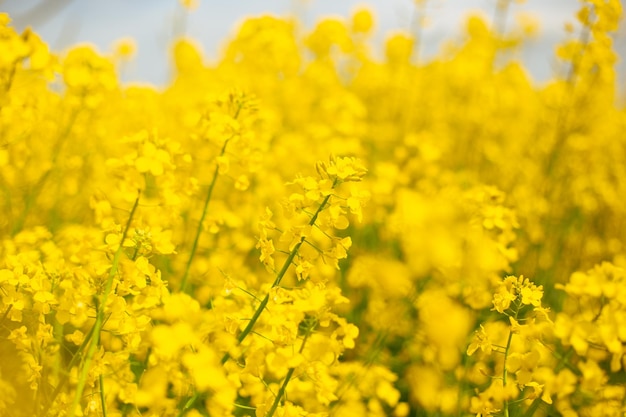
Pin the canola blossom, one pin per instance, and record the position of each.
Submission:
(310, 228)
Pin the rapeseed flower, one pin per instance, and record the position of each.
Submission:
(195, 251)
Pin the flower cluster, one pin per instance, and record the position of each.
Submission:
(520, 342)
(307, 227)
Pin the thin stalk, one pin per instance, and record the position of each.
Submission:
(279, 277)
(417, 28)
(6, 313)
(31, 199)
(244, 407)
(506, 357)
(188, 404)
(462, 385)
(73, 361)
(370, 358)
(533, 407)
(102, 400)
(499, 17)
(95, 338)
(205, 210)
(57, 367)
(283, 387)
(9, 82)
(563, 112)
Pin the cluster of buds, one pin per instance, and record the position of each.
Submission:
(341, 169)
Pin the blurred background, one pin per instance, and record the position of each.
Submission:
(154, 24)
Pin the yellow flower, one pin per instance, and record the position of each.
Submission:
(481, 341)
(483, 407)
(399, 48)
(350, 333)
(205, 370)
(124, 48)
(327, 33)
(152, 159)
(190, 4)
(502, 298)
(267, 250)
(168, 340)
(531, 295)
(344, 169)
(362, 21)
(537, 390)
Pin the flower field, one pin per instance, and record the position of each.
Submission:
(311, 227)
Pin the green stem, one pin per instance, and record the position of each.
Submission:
(205, 210)
(102, 399)
(506, 357)
(31, 199)
(188, 405)
(6, 313)
(279, 277)
(370, 358)
(73, 361)
(95, 338)
(533, 407)
(283, 387)
(563, 112)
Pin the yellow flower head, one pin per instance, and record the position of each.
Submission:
(190, 5)
(362, 21)
(125, 48)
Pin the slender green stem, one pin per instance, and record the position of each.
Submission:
(506, 357)
(370, 358)
(505, 372)
(9, 82)
(564, 111)
(188, 404)
(417, 28)
(194, 247)
(533, 407)
(279, 278)
(244, 407)
(95, 337)
(6, 313)
(281, 392)
(205, 210)
(31, 199)
(102, 399)
(73, 361)
(283, 387)
(462, 385)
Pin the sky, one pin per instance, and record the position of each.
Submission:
(154, 24)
